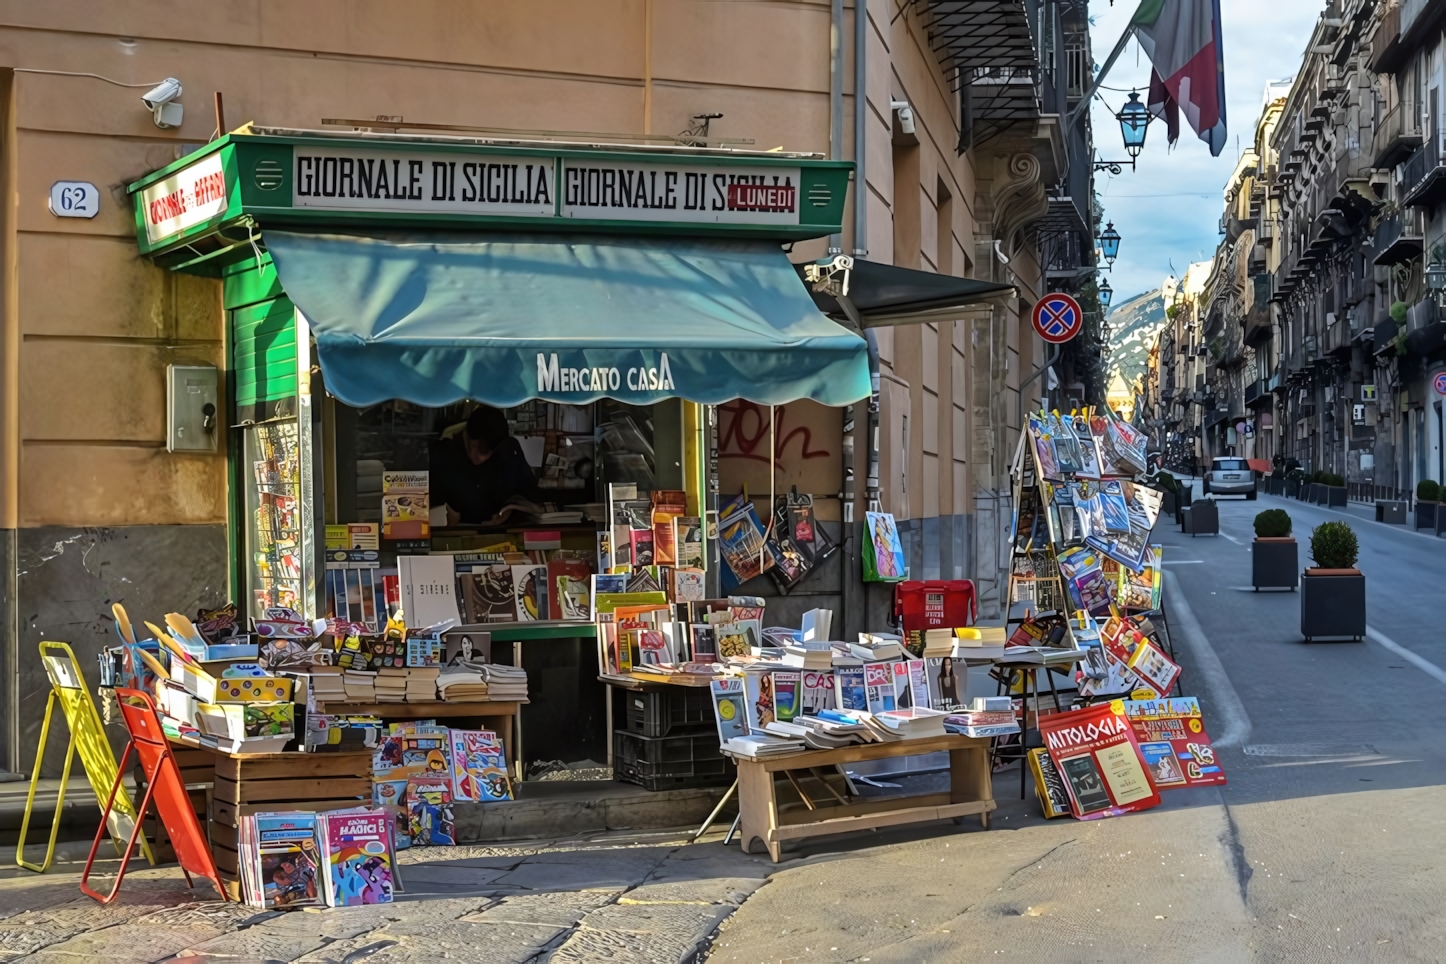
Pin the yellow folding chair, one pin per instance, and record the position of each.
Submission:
(67, 687)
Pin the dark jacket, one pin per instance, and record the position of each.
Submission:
(478, 492)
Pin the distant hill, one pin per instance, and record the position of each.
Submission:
(1133, 325)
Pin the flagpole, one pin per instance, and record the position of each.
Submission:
(1100, 78)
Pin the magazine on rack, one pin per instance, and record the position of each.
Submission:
(1173, 741)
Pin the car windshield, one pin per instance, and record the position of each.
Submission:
(1230, 465)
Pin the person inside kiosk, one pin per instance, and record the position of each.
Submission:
(476, 471)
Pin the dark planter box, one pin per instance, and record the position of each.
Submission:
(1318, 493)
(1332, 605)
(1292, 488)
(1440, 522)
(1391, 511)
(1203, 519)
(1336, 496)
(1167, 505)
(1274, 564)
(1426, 515)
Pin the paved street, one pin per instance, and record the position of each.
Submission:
(1325, 846)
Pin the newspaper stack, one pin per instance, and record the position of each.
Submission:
(325, 687)
(505, 682)
(422, 684)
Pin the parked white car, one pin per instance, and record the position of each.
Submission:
(1229, 476)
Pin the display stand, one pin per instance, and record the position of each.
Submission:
(165, 788)
(761, 818)
(87, 736)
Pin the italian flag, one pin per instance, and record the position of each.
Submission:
(1182, 40)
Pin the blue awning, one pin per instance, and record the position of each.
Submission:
(501, 318)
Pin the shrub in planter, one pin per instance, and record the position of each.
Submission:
(1428, 496)
(1333, 596)
(1274, 555)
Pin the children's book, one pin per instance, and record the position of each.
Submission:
(479, 767)
(786, 696)
(429, 803)
(728, 697)
(286, 861)
(529, 591)
(357, 854)
(391, 796)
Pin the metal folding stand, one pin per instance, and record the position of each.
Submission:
(166, 788)
(87, 737)
(1029, 673)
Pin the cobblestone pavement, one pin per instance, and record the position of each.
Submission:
(654, 898)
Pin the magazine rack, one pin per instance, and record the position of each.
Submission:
(87, 737)
(164, 787)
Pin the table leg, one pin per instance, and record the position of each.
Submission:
(970, 778)
(757, 807)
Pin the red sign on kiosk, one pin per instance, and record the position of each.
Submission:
(1057, 318)
(164, 787)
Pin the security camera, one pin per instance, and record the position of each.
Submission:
(160, 101)
(906, 115)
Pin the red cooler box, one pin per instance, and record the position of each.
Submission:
(934, 603)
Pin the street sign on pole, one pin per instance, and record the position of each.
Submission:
(1440, 383)
(1057, 318)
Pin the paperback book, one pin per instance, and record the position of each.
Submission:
(479, 767)
(357, 856)
(728, 709)
(1096, 752)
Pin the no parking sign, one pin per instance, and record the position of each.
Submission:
(1057, 318)
(1439, 382)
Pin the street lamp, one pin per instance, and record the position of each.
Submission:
(1134, 120)
(1110, 244)
(1106, 293)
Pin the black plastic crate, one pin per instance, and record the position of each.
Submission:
(670, 711)
(670, 762)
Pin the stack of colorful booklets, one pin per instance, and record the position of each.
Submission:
(339, 858)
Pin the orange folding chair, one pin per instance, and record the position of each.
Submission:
(166, 788)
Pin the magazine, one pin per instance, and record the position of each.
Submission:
(479, 768)
(1174, 743)
(760, 702)
(888, 551)
(1096, 751)
(728, 708)
(529, 590)
(742, 542)
(850, 693)
(879, 693)
(1048, 784)
(816, 692)
(357, 856)
(786, 696)
(285, 860)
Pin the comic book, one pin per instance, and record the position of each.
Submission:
(391, 796)
(479, 767)
(285, 860)
(1173, 742)
(429, 805)
(357, 856)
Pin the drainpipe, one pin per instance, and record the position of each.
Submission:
(861, 104)
(835, 101)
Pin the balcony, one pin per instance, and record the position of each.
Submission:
(1400, 237)
(1423, 178)
(1387, 53)
(1396, 136)
(1419, 19)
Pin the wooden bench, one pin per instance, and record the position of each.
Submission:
(762, 819)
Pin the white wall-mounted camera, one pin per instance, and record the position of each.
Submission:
(160, 101)
(903, 123)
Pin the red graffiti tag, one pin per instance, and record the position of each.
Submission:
(738, 442)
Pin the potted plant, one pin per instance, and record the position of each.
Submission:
(1335, 491)
(1274, 556)
(1333, 594)
(1428, 495)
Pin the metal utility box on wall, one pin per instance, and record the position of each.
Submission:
(192, 415)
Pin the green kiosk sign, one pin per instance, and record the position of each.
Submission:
(194, 213)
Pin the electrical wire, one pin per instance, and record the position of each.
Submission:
(79, 73)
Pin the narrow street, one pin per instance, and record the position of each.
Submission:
(1324, 845)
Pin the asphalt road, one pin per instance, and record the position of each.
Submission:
(1327, 844)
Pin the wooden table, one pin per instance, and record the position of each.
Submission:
(970, 792)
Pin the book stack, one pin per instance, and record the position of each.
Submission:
(979, 642)
(809, 655)
(505, 682)
(422, 683)
(938, 643)
(758, 746)
(914, 723)
(873, 648)
(360, 686)
(461, 684)
(325, 687)
(987, 716)
(391, 685)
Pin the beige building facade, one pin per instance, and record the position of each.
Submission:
(958, 179)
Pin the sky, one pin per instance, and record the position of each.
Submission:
(1168, 209)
